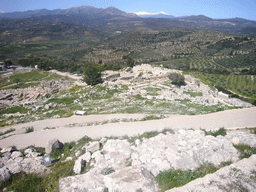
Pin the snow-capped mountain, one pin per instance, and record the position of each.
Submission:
(154, 15)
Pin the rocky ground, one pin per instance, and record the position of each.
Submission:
(143, 89)
(135, 165)
(132, 164)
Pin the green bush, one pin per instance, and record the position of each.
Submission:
(92, 74)
(177, 79)
(29, 129)
(222, 131)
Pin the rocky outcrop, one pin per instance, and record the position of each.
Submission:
(124, 166)
(27, 96)
(240, 176)
(13, 162)
(53, 146)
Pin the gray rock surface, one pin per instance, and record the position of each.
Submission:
(131, 179)
(94, 146)
(135, 165)
(240, 176)
(4, 174)
(242, 137)
(53, 146)
(15, 162)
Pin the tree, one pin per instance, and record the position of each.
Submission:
(129, 62)
(7, 62)
(177, 79)
(92, 74)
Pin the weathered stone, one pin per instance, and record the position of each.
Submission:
(78, 166)
(53, 146)
(86, 157)
(103, 140)
(4, 174)
(31, 152)
(116, 153)
(8, 149)
(94, 146)
(131, 179)
(91, 181)
(13, 167)
(239, 176)
(33, 165)
(16, 154)
(245, 138)
(235, 140)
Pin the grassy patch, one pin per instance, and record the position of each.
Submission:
(245, 150)
(152, 117)
(176, 178)
(222, 131)
(29, 129)
(14, 109)
(194, 94)
(6, 132)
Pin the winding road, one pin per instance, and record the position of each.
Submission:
(73, 128)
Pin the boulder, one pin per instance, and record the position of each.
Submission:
(53, 146)
(31, 152)
(4, 174)
(131, 179)
(86, 157)
(13, 166)
(91, 181)
(80, 162)
(16, 154)
(78, 166)
(94, 146)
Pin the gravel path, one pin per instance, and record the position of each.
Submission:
(230, 119)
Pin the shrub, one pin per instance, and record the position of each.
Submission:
(177, 79)
(29, 129)
(92, 74)
(107, 171)
(222, 131)
(6, 132)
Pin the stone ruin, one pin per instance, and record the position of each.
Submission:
(144, 76)
(28, 96)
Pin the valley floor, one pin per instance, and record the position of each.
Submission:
(97, 126)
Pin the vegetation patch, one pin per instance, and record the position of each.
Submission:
(245, 150)
(14, 109)
(29, 129)
(6, 132)
(222, 131)
(177, 178)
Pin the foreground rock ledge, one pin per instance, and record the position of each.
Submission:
(240, 176)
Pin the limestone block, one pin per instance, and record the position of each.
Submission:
(16, 154)
(78, 166)
(94, 146)
(131, 179)
(4, 174)
(91, 181)
(53, 146)
(86, 157)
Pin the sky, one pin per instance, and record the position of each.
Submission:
(216, 9)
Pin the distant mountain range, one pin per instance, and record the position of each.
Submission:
(113, 19)
(82, 10)
(153, 15)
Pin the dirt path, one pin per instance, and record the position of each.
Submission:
(230, 119)
(66, 74)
